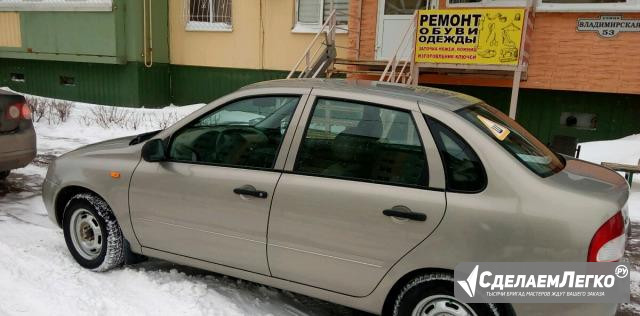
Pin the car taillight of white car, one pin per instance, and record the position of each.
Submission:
(608, 243)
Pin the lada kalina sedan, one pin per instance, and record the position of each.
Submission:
(361, 193)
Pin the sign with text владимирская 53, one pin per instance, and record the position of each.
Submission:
(469, 36)
(608, 26)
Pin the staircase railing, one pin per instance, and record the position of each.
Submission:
(320, 53)
(399, 69)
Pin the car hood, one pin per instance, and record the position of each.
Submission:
(111, 144)
(593, 180)
(120, 154)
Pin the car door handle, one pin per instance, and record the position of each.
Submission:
(420, 217)
(250, 191)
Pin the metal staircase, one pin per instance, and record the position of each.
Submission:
(401, 70)
(319, 57)
(323, 46)
(324, 58)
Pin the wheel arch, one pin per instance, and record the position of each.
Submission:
(64, 195)
(397, 286)
(505, 308)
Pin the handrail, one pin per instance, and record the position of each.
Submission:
(389, 73)
(310, 58)
(330, 20)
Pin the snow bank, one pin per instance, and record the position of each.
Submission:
(624, 150)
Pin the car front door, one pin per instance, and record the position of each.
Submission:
(357, 194)
(211, 199)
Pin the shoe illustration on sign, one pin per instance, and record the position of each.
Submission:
(501, 30)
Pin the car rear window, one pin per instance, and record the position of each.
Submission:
(514, 138)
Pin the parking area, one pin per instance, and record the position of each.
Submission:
(37, 271)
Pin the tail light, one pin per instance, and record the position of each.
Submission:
(26, 112)
(608, 244)
(18, 111)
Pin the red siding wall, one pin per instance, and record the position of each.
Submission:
(562, 58)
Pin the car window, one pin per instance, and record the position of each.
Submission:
(514, 138)
(364, 142)
(463, 170)
(245, 133)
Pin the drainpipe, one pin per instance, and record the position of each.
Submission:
(147, 50)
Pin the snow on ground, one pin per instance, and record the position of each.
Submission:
(39, 277)
(58, 139)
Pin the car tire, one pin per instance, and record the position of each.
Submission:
(432, 294)
(4, 174)
(92, 233)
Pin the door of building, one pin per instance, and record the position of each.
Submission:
(394, 17)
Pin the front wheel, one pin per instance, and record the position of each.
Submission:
(432, 294)
(92, 233)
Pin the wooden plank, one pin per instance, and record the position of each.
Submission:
(515, 91)
(622, 167)
(470, 67)
(342, 61)
(363, 72)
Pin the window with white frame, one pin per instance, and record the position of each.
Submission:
(56, 5)
(312, 14)
(589, 5)
(208, 15)
(556, 5)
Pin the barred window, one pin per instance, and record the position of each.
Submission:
(209, 15)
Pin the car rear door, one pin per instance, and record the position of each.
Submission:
(357, 193)
(211, 199)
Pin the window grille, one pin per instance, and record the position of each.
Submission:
(207, 15)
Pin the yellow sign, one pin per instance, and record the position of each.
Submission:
(469, 36)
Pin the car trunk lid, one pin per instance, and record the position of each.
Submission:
(596, 182)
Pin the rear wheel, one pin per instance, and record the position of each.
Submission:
(432, 294)
(92, 233)
(4, 174)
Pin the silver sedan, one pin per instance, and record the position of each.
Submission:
(361, 193)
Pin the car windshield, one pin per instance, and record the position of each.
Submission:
(514, 138)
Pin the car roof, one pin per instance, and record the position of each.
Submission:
(428, 96)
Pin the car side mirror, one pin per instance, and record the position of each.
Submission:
(154, 151)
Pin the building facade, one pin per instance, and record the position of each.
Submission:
(93, 50)
(153, 52)
(585, 75)
(156, 52)
(262, 40)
